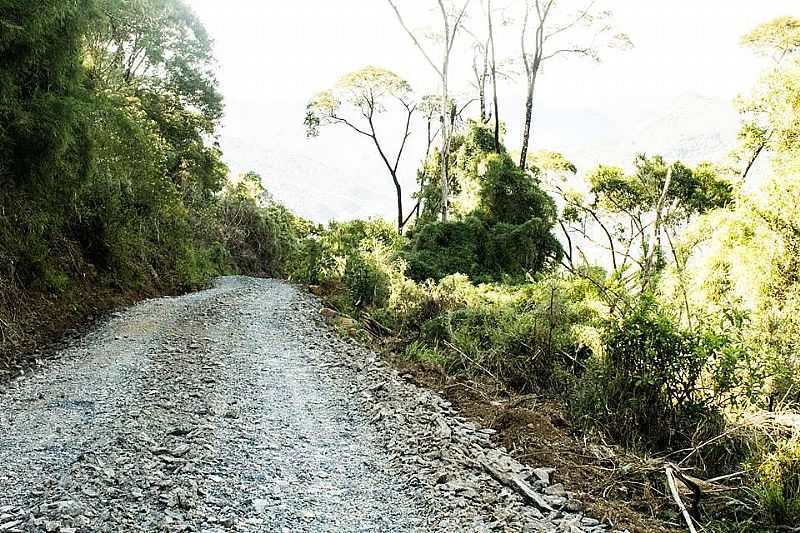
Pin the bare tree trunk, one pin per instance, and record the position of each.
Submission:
(449, 40)
(655, 243)
(399, 190)
(526, 130)
(481, 75)
(445, 136)
(494, 82)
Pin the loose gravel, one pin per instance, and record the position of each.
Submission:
(238, 409)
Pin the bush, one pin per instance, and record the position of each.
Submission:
(440, 249)
(647, 381)
(502, 219)
(357, 263)
(509, 195)
(484, 253)
(366, 282)
(260, 239)
(778, 484)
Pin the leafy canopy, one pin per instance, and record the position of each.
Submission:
(777, 38)
(365, 91)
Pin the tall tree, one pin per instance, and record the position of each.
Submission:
(157, 55)
(481, 71)
(559, 33)
(451, 24)
(356, 101)
(771, 115)
(493, 69)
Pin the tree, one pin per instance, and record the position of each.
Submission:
(640, 214)
(451, 23)
(588, 26)
(155, 44)
(155, 57)
(356, 101)
(771, 115)
(779, 38)
(430, 109)
(493, 69)
(42, 94)
(481, 71)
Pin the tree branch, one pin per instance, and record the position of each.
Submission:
(414, 39)
(406, 135)
(581, 51)
(346, 122)
(572, 24)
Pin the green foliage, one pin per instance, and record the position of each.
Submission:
(648, 382)
(778, 484)
(367, 284)
(107, 113)
(365, 91)
(509, 195)
(503, 219)
(440, 249)
(360, 256)
(777, 38)
(42, 135)
(691, 191)
(258, 239)
(533, 339)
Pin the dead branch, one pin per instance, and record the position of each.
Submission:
(670, 470)
(517, 484)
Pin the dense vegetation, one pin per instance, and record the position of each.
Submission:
(109, 175)
(663, 316)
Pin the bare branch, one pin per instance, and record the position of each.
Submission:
(579, 51)
(406, 135)
(346, 122)
(582, 16)
(414, 39)
(456, 25)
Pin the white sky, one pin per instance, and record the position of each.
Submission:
(274, 55)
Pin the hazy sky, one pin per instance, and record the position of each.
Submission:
(274, 55)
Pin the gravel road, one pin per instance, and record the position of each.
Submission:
(238, 409)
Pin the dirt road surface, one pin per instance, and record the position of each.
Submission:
(238, 409)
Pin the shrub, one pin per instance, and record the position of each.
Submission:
(481, 251)
(440, 249)
(502, 219)
(647, 381)
(778, 484)
(366, 282)
(509, 195)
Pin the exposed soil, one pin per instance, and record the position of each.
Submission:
(34, 324)
(537, 433)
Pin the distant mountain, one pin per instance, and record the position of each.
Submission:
(340, 177)
(693, 129)
(312, 186)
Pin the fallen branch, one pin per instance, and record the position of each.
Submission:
(516, 483)
(670, 470)
(374, 327)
